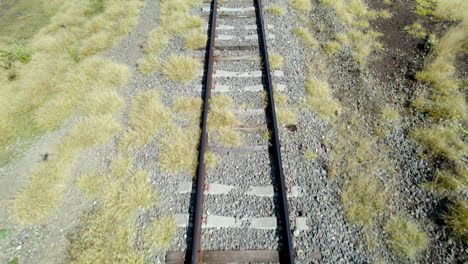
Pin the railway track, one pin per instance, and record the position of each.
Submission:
(233, 49)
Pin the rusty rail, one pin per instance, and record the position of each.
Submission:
(198, 214)
(287, 250)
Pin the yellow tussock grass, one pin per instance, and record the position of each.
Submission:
(156, 42)
(188, 107)
(276, 10)
(286, 116)
(320, 98)
(456, 219)
(162, 232)
(195, 40)
(148, 116)
(94, 130)
(390, 114)
(301, 5)
(101, 103)
(181, 68)
(443, 141)
(305, 35)
(275, 60)
(222, 120)
(332, 47)
(179, 150)
(148, 65)
(405, 238)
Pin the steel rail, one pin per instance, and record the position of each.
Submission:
(195, 249)
(287, 251)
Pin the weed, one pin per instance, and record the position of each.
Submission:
(181, 68)
(195, 40)
(456, 219)
(385, 14)
(320, 99)
(301, 5)
(267, 135)
(211, 160)
(14, 261)
(363, 199)
(276, 61)
(332, 47)
(162, 232)
(425, 7)
(12, 53)
(310, 154)
(405, 238)
(306, 36)
(148, 65)
(276, 10)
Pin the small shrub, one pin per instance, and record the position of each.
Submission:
(181, 68)
(405, 238)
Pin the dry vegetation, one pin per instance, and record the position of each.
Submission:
(181, 68)
(305, 35)
(276, 10)
(301, 5)
(222, 120)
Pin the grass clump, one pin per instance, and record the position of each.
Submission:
(181, 68)
(416, 29)
(148, 65)
(179, 150)
(188, 107)
(4, 233)
(107, 235)
(320, 98)
(456, 219)
(442, 141)
(286, 116)
(310, 154)
(156, 43)
(363, 199)
(93, 130)
(101, 103)
(390, 114)
(305, 35)
(301, 5)
(275, 60)
(450, 182)
(162, 231)
(13, 53)
(211, 160)
(405, 238)
(221, 120)
(148, 116)
(195, 40)
(276, 10)
(332, 47)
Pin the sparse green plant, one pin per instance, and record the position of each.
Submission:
(162, 232)
(390, 114)
(267, 135)
(276, 61)
(4, 233)
(276, 10)
(12, 53)
(306, 36)
(425, 7)
(181, 68)
(405, 238)
(385, 14)
(14, 261)
(416, 29)
(301, 5)
(320, 99)
(332, 47)
(310, 154)
(95, 7)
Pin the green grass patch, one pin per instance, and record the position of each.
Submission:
(95, 7)
(4, 233)
(405, 238)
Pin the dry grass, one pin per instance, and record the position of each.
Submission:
(211, 160)
(275, 60)
(390, 114)
(221, 120)
(107, 235)
(301, 5)
(305, 35)
(363, 199)
(286, 116)
(310, 154)
(188, 107)
(162, 232)
(456, 219)
(156, 43)
(276, 10)
(448, 182)
(181, 68)
(101, 103)
(148, 65)
(148, 116)
(321, 99)
(405, 238)
(332, 47)
(195, 40)
(179, 150)
(93, 130)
